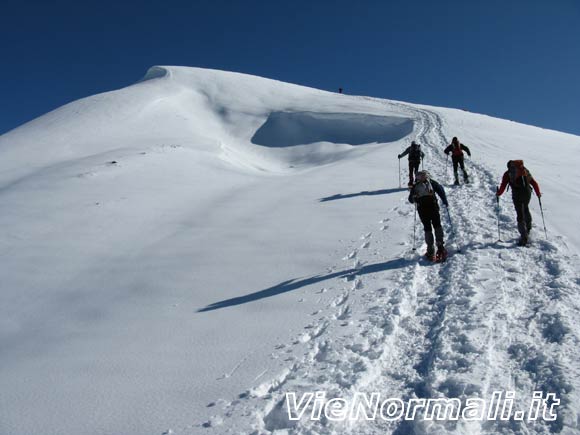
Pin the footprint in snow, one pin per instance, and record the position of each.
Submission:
(351, 255)
(344, 313)
(340, 300)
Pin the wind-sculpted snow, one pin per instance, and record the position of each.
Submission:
(284, 129)
(155, 72)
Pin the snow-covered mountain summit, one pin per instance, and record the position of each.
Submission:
(180, 253)
(248, 121)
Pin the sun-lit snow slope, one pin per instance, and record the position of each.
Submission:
(494, 317)
(178, 254)
(126, 212)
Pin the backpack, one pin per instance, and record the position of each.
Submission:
(457, 151)
(415, 152)
(423, 189)
(519, 175)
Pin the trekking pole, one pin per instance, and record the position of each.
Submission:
(399, 173)
(452, 227)
(498, 207)
(414, 226)
(543, 220)
(447, 165)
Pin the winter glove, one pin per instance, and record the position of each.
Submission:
(399, 156)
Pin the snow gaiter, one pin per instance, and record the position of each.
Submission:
(429, 240)
(522, 228)
(439, 236)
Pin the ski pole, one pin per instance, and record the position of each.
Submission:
(399, 173)
(498, 207)
(452, 228)
(414, 226)
(543, 220)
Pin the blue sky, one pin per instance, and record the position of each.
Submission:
(514, 59)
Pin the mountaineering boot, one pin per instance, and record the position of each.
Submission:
(430, 253)
(441, 254)
(465, 178)
(523, 241)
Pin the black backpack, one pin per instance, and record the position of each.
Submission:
(415, 152)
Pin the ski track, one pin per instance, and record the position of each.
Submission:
(493, 317)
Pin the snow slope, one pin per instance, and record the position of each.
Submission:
(178, 254)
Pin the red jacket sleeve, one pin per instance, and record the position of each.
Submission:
(504, 182)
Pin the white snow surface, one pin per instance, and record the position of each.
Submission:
(178, 254)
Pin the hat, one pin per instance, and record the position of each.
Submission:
(423, 176)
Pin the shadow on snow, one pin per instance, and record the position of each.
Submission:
(364, 193)
(294, 284)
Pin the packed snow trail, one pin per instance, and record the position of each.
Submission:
(409, 329)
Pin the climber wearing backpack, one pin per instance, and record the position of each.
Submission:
(415, 157)
(521, 181)
(456, 149)
(423, 195)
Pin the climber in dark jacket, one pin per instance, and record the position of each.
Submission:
(456, 149)
(415, 157)
(521, 182)
(423, 194)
